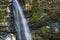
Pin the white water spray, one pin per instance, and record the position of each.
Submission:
(20, 22)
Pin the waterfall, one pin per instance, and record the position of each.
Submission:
(20, 22)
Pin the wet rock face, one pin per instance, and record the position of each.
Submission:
(5, 1)
(8, 0)
(4, 11)
(5, 16)
(4, 4)
(22, 1)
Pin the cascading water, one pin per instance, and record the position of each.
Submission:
(20, 22)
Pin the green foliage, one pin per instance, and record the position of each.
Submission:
(44, 6)
(35, 16)
(36, 19)
(1, 14)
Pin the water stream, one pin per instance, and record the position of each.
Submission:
(20, 22)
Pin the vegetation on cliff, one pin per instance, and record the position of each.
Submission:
(39, 14)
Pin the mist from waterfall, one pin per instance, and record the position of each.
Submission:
(20, 22)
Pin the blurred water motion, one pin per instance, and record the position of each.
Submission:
(20, 22)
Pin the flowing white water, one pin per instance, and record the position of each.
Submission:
(10, 37)
(20, 22)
